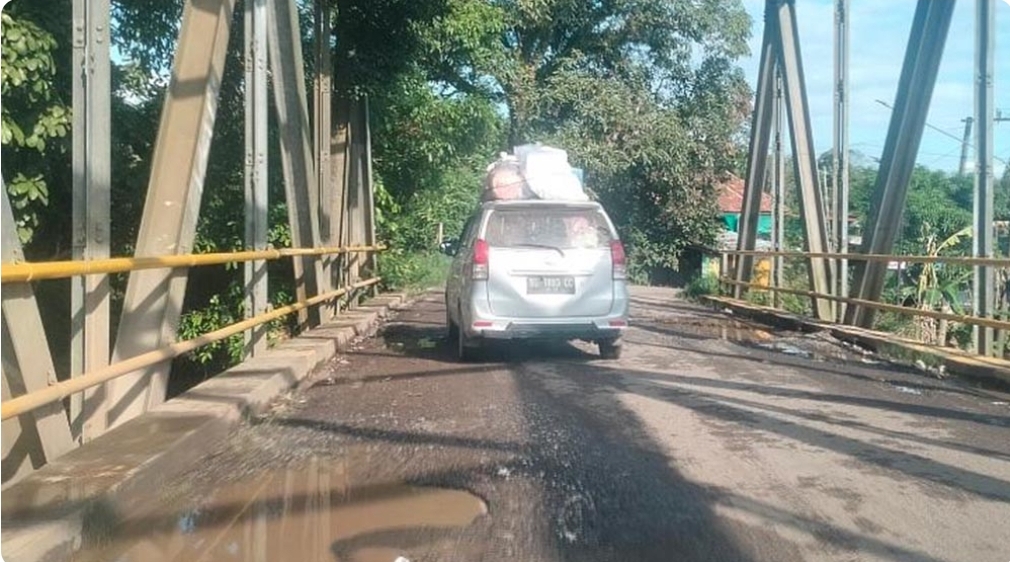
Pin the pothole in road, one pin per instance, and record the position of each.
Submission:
(312, 512)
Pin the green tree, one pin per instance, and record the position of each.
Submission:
(514, 49)
(430, 152)
(643, 93)
(33, 114)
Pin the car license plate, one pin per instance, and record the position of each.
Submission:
(550, 285)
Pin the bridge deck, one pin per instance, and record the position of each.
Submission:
(712, 439)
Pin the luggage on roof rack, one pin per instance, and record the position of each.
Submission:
(504, 180)
(533, 171)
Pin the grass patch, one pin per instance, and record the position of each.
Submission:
(702, 287)
(413, 271)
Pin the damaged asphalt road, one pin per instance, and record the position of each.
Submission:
(711, 439)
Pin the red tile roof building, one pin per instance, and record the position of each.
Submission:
(730, 194)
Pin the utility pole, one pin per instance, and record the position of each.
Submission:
(840, 156)
(964, 144)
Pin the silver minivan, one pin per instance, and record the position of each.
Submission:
(534, 269)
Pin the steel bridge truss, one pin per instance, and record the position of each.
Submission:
(781, 76)
(328, 191)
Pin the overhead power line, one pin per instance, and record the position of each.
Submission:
(999, 117)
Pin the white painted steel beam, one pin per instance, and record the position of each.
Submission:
(154, 298)
(89, 295)
(40, 436)
(288, 74)
(256, 168)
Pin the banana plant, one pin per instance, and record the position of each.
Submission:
(939, 286)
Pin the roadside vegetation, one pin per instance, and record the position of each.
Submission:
(937, 221)
(451, 83)
(646, 95)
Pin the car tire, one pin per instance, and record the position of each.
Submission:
(467, 350)
(451, 327)
(610, 349)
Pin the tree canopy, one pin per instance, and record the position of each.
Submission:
(645, 95)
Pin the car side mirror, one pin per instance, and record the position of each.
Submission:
(449, 247)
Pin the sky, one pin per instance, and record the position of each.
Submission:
(879, 32)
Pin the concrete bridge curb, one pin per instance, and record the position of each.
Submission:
(988, 370)
(46, 515)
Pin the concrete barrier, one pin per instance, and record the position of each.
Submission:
(956, 362)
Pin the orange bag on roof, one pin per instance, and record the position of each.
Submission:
(504, 181)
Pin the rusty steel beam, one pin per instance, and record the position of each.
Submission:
(984, 281)
(368, 198)
(779, 188)
(322, 128)
(340, 154)
(915, 90)
(804, 157)
(840, 148)
(757, 160)
(154, 298)
(356, 190)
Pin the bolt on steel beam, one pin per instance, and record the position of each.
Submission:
(89, 295)
(908, 120)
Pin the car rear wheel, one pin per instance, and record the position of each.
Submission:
(466, 349)
(610, 349)
(451, 327)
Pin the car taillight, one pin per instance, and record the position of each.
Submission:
(619, 259)
(481, 256)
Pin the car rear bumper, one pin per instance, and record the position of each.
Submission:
(484, 325)
(480, 322)
(572, 330)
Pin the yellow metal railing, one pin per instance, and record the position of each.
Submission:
(34, 400)
(952, 260)
(23, 272)
(970, 320)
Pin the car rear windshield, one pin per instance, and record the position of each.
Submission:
(547, 227)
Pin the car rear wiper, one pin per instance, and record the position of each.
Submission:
(539, 247)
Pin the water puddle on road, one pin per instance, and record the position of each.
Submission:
(307, 514)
